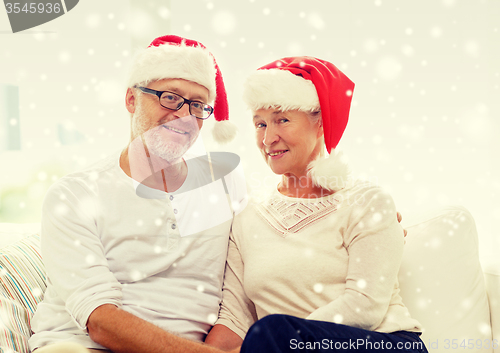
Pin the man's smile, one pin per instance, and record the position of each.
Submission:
(179, 131)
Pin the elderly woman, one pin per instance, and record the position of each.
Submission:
(315, 266)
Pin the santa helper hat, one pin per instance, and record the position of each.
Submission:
(308, 84)
(176, 57)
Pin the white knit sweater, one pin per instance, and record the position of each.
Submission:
(334, 258)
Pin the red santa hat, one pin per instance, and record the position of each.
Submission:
(172, 56)
(308, 84)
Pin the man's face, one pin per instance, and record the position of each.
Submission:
(166, 133)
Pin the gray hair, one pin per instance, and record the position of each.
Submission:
(315, 118)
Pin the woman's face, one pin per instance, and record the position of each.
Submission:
(288, 140)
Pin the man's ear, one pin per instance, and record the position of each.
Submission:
(130, 100)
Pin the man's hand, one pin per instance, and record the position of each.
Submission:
(123, 332)
(224, 338)
(400, 218)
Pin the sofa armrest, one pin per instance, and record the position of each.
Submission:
(442, 281)
(492, 280)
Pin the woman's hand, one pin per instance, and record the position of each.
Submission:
(400, 218)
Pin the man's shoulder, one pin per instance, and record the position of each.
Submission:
(96, 169)
(88, 176)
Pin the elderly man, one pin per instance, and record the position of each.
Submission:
(135, 246)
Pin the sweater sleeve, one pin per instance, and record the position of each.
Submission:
(73, 253)
(237, 311)
(374, 241)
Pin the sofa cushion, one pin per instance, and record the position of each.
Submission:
(22, 284)
(442, 283)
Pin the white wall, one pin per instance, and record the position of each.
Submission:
(71, 73)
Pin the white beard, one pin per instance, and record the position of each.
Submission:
(163, 148)
(170, 151)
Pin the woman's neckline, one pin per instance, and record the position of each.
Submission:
(301, 199)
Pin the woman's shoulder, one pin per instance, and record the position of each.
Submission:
(359, 191)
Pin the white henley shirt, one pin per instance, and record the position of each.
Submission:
(157, 255)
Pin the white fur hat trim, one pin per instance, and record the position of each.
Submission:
(224, 131)
(173, 61)
(279, 88)
(330, 173)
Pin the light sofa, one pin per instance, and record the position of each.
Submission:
(441, 282)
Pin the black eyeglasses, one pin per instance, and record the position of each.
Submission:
(173, 101)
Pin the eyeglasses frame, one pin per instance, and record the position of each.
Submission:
(188, 101)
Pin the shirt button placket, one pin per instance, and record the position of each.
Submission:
(173, 225)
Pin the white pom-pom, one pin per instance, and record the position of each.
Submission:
(331, 173)
(224, 131)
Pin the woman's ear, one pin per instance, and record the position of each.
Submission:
(130, 100)
(320, 129)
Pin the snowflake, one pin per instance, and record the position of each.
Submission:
(316, 21)
(212, 318)
(164, 12)
(371, 45)
(136, 275)
(93, 21)
(338, 318)
(485, 328)
(361, 283)
(90, 259)
(213, 199)
(64, 57)
(471, 47)
(224, 22)
(318, 288)
(436, 32)
(377, 140)
(389, 68)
